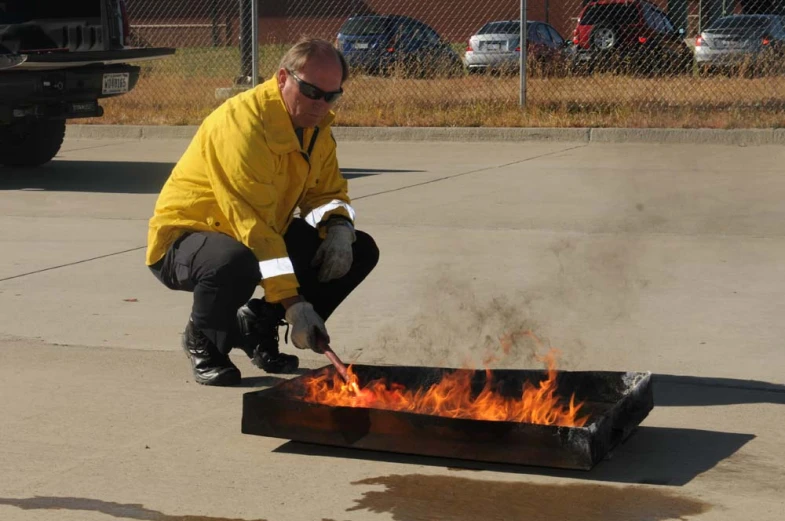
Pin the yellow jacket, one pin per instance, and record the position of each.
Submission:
(244, 174)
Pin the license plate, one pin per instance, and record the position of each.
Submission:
(360, 45)
(115, 83)
(493, 46)
(730, 44)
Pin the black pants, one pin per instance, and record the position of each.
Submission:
(223, 273)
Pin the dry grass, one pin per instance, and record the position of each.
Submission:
(165, 97)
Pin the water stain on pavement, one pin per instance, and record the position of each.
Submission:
(416, 497)
(118, 510)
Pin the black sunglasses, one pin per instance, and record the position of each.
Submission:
(315, 93)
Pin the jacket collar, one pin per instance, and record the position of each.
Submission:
(278, 128)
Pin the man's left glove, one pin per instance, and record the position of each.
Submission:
(335, 252)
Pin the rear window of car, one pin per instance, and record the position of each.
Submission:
(611, 13)
(500, 28)
(365, 26)
(741, 22)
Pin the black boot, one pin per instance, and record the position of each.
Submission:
(258, 322)
(210, 367)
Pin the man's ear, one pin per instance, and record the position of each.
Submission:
(282, 75)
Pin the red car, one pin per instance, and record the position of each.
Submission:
(633, 33)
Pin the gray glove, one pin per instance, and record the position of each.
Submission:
(335, 252)
(307, 326)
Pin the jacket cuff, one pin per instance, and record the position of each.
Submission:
(279, 288)
(279, 296)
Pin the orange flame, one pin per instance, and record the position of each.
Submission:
(452, 397)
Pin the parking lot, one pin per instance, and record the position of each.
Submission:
(626, 257)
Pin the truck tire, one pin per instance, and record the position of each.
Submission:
(30, 143)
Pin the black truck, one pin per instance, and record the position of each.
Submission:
(57, 59)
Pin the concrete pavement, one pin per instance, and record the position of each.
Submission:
(641, 257)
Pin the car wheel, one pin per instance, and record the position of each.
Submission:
(31, 142)
(768, 63)
(411, 67)
(684, 63)
(454, 67)
(580, 67)
(604, 38)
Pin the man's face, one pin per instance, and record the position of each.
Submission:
(324, 74)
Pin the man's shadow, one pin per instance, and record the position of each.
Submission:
(269, 380)
(354, 173)
(116, 177)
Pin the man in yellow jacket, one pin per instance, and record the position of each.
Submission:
(225, 221)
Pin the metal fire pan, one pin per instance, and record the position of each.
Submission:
(616, 402)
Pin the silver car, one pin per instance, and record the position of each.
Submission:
(739, 39)
(496, 46)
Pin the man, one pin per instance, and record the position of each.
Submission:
(224, 221)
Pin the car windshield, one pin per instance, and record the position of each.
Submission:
(610, 13)
(500, 28)
(741, 22)
(365, 26)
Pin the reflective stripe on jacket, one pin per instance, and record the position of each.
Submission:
(244, 174)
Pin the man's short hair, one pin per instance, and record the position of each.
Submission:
(306, 49)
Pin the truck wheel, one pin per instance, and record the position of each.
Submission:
(31, 143)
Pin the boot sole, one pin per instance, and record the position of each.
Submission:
(287, 368)
(231, 376)
(226, 379)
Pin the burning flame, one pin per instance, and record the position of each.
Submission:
(452, 397)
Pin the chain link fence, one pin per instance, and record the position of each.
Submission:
(457, 62)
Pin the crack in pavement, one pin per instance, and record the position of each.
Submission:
(461, 174)
(103, 145)
(71, 263)
(445, 178)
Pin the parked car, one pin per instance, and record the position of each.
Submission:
(732, 41)
(631, 35)
(57, 60)
(496, 47)
(394, 44)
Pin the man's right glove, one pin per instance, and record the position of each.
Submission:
(307, 327)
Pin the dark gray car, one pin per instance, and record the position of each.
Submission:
(755, 40)
(390, 44)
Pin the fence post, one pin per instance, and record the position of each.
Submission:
(522, 94)
(246, 45)
(214, 21)
(228, 30)
(255, 39)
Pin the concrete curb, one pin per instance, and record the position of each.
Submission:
(704, 136)
(737, 137)
(460, 134)
(129, 132)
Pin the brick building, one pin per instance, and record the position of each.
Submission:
(284, 21)
(183, 23)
